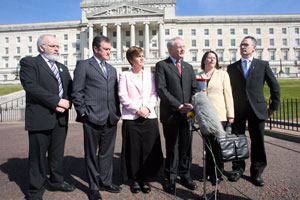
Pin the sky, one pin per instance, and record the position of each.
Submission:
(26, 11)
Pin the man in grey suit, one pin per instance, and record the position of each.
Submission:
(95, 97)
(176, 84)
(247, 77)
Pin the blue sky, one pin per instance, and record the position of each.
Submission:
(23, 11)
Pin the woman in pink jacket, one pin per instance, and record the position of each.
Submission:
(141, 147)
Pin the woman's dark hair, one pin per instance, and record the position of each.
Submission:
(204, 58)
(132, 52)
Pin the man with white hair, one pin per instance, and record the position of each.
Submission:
(47, 84)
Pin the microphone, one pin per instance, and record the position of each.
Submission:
(201, 83)
(190, 118)
(206, 116)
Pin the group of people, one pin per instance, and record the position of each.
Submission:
(96, 93)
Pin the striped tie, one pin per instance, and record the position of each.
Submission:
(56, 73)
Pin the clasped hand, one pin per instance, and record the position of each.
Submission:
(185, 108)
(62, 106)
(143, 112)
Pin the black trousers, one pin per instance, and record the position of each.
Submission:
(99, 145)
(256, 129)
(178, 148)
(41, 142)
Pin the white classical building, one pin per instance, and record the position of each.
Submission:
(150, 24)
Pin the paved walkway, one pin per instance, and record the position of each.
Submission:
(282, 176)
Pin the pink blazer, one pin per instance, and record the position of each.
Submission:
(134, 94)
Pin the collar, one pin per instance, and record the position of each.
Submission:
(174, 60)
(248, 60)
(99, 61)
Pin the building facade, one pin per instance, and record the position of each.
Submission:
(150, 24)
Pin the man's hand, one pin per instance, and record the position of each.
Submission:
(230, 120)
(185, 108)
(63, 103)
(60, 109)
(270, 112)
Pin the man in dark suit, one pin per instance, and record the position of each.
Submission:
(247, 77)
(176, 84)
(95, 97)
(48, 97)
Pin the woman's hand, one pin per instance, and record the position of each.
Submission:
(143, 112)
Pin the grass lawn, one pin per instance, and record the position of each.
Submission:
(7, 89)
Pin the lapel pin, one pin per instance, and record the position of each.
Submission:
(60, 69)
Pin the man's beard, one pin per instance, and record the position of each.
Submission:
(51, 57)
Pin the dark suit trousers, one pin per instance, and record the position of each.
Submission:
(256, 129)
(178, 148)
(41, 142)
(99, 145)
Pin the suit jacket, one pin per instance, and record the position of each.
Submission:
(134, 95)
(172, 88)
(220, 94)
(252, 88)
(41, 87)
(94, 95)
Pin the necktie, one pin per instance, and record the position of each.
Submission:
(56, 73)
(178, 66)
(104, 69)
(245, 67)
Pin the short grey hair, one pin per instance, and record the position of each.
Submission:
(170, 44)
(41, 41)
(252, 39)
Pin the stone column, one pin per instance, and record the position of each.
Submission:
(132, 34)
(119, 45)
(91, 35)
(146, 45)
(161, 40)
(104, 29)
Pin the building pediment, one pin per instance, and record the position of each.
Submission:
(123, 10)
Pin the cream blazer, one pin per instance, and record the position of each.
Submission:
(220, 94)
(134, 94)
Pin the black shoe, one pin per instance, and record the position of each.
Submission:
(63, 187)
(234, 176)
(145, 187)
(111, 188)
(94, 195)
(258, 181)
(214, 180)
(135, 187)
(188, 183)
(170, 187)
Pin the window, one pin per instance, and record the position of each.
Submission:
(167, 31)
(245, 31)
(78, 58)
(6, 62)
(194, 43)
(154, 43)
(65, 36)
(154, 54)
(127, 44)
(18, 50)
(65, 60)
(194, 56)
(284, 31)
(78, 36)
(193, 31)
(284, 42)
(297, 55)
(232, 31)
(65, 48)
(220, 42)
(6, 40)
(18, 39)
(5, 77)
(233, 55)
(287, 70)
(272, 55)
(180, 32)
(258, 42)
(141, 44)
(219, 31)
(297, 41)
(259, 55)
(220, 55)
(297, 30)
(272, 42)
(114, 34)
(206, 43)
(232, 42)
(127, 33)
(285, 55)
(29, 49)
(258, 31)
(77, 47)
(153, 32)
(271, 30)
(206, 32)
(141, 33)
(114, 45)
(30, 38)
(298, 70)
(6, 50)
